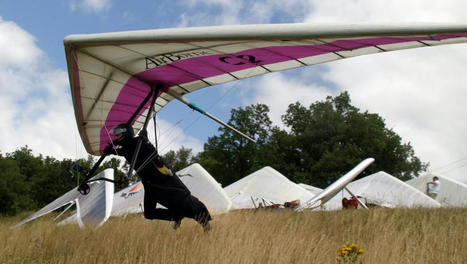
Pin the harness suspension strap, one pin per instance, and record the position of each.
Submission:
(154, 93)
(155, 131)
(146, 162)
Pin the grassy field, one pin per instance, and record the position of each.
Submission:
(385, 235)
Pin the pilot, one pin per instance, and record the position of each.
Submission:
(161, 185)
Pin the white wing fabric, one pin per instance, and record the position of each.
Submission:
(205, 188)
(129, 200)
(451, 194)
(111, 73)
(314, 190)
(61, 201)
(95, 206)
(94, 209)
(265, 184)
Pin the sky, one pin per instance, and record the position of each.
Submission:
(420, 93)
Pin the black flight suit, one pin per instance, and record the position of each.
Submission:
(163, 188)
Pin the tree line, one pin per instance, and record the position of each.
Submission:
(316, 145)
(29, 182)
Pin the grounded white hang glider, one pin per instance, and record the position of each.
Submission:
(91, 210)
(112, 75)
(451, 193)
(325, 195)
(383, 190)
(266, 186)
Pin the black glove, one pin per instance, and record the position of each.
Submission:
(144, 134)
(84, 188)
(109, 150)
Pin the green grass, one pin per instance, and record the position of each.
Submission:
(385, 235)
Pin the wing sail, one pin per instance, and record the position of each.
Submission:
(95, 207)
(111, 73)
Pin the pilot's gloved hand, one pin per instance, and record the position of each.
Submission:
(84, 188)
(144, 134)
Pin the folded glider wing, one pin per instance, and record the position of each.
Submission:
(95, 207)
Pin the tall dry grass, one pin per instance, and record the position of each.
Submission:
(387, 236)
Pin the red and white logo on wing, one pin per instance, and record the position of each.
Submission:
(133, 190)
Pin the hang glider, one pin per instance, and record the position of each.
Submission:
(383, 190)
(265, 186)
(111, 74)
(91, 210)
(325, 195)
(452, 193)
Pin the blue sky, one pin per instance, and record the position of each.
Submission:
(420, 93)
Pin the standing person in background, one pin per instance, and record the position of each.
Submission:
(432, 188)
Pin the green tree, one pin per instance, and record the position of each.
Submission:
(14, 188)
(29, 182)
(332, 136)
(180, 159)
(52, 180)
(322, 143)
(46, 177)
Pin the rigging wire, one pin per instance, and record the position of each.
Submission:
(450, 163)
(110, 138)
(170, 142)
(76, 157)
(448, 167)
(155, 129)
(452, 169)
(172, 127)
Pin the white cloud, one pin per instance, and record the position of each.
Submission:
(229, 12)
(35, 105)
(17, 47)
(278, 91)
(386, 11)
(94, 6)
(172, 137)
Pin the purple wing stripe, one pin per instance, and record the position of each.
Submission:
(193, 69)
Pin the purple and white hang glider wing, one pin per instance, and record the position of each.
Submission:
(112, 73)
